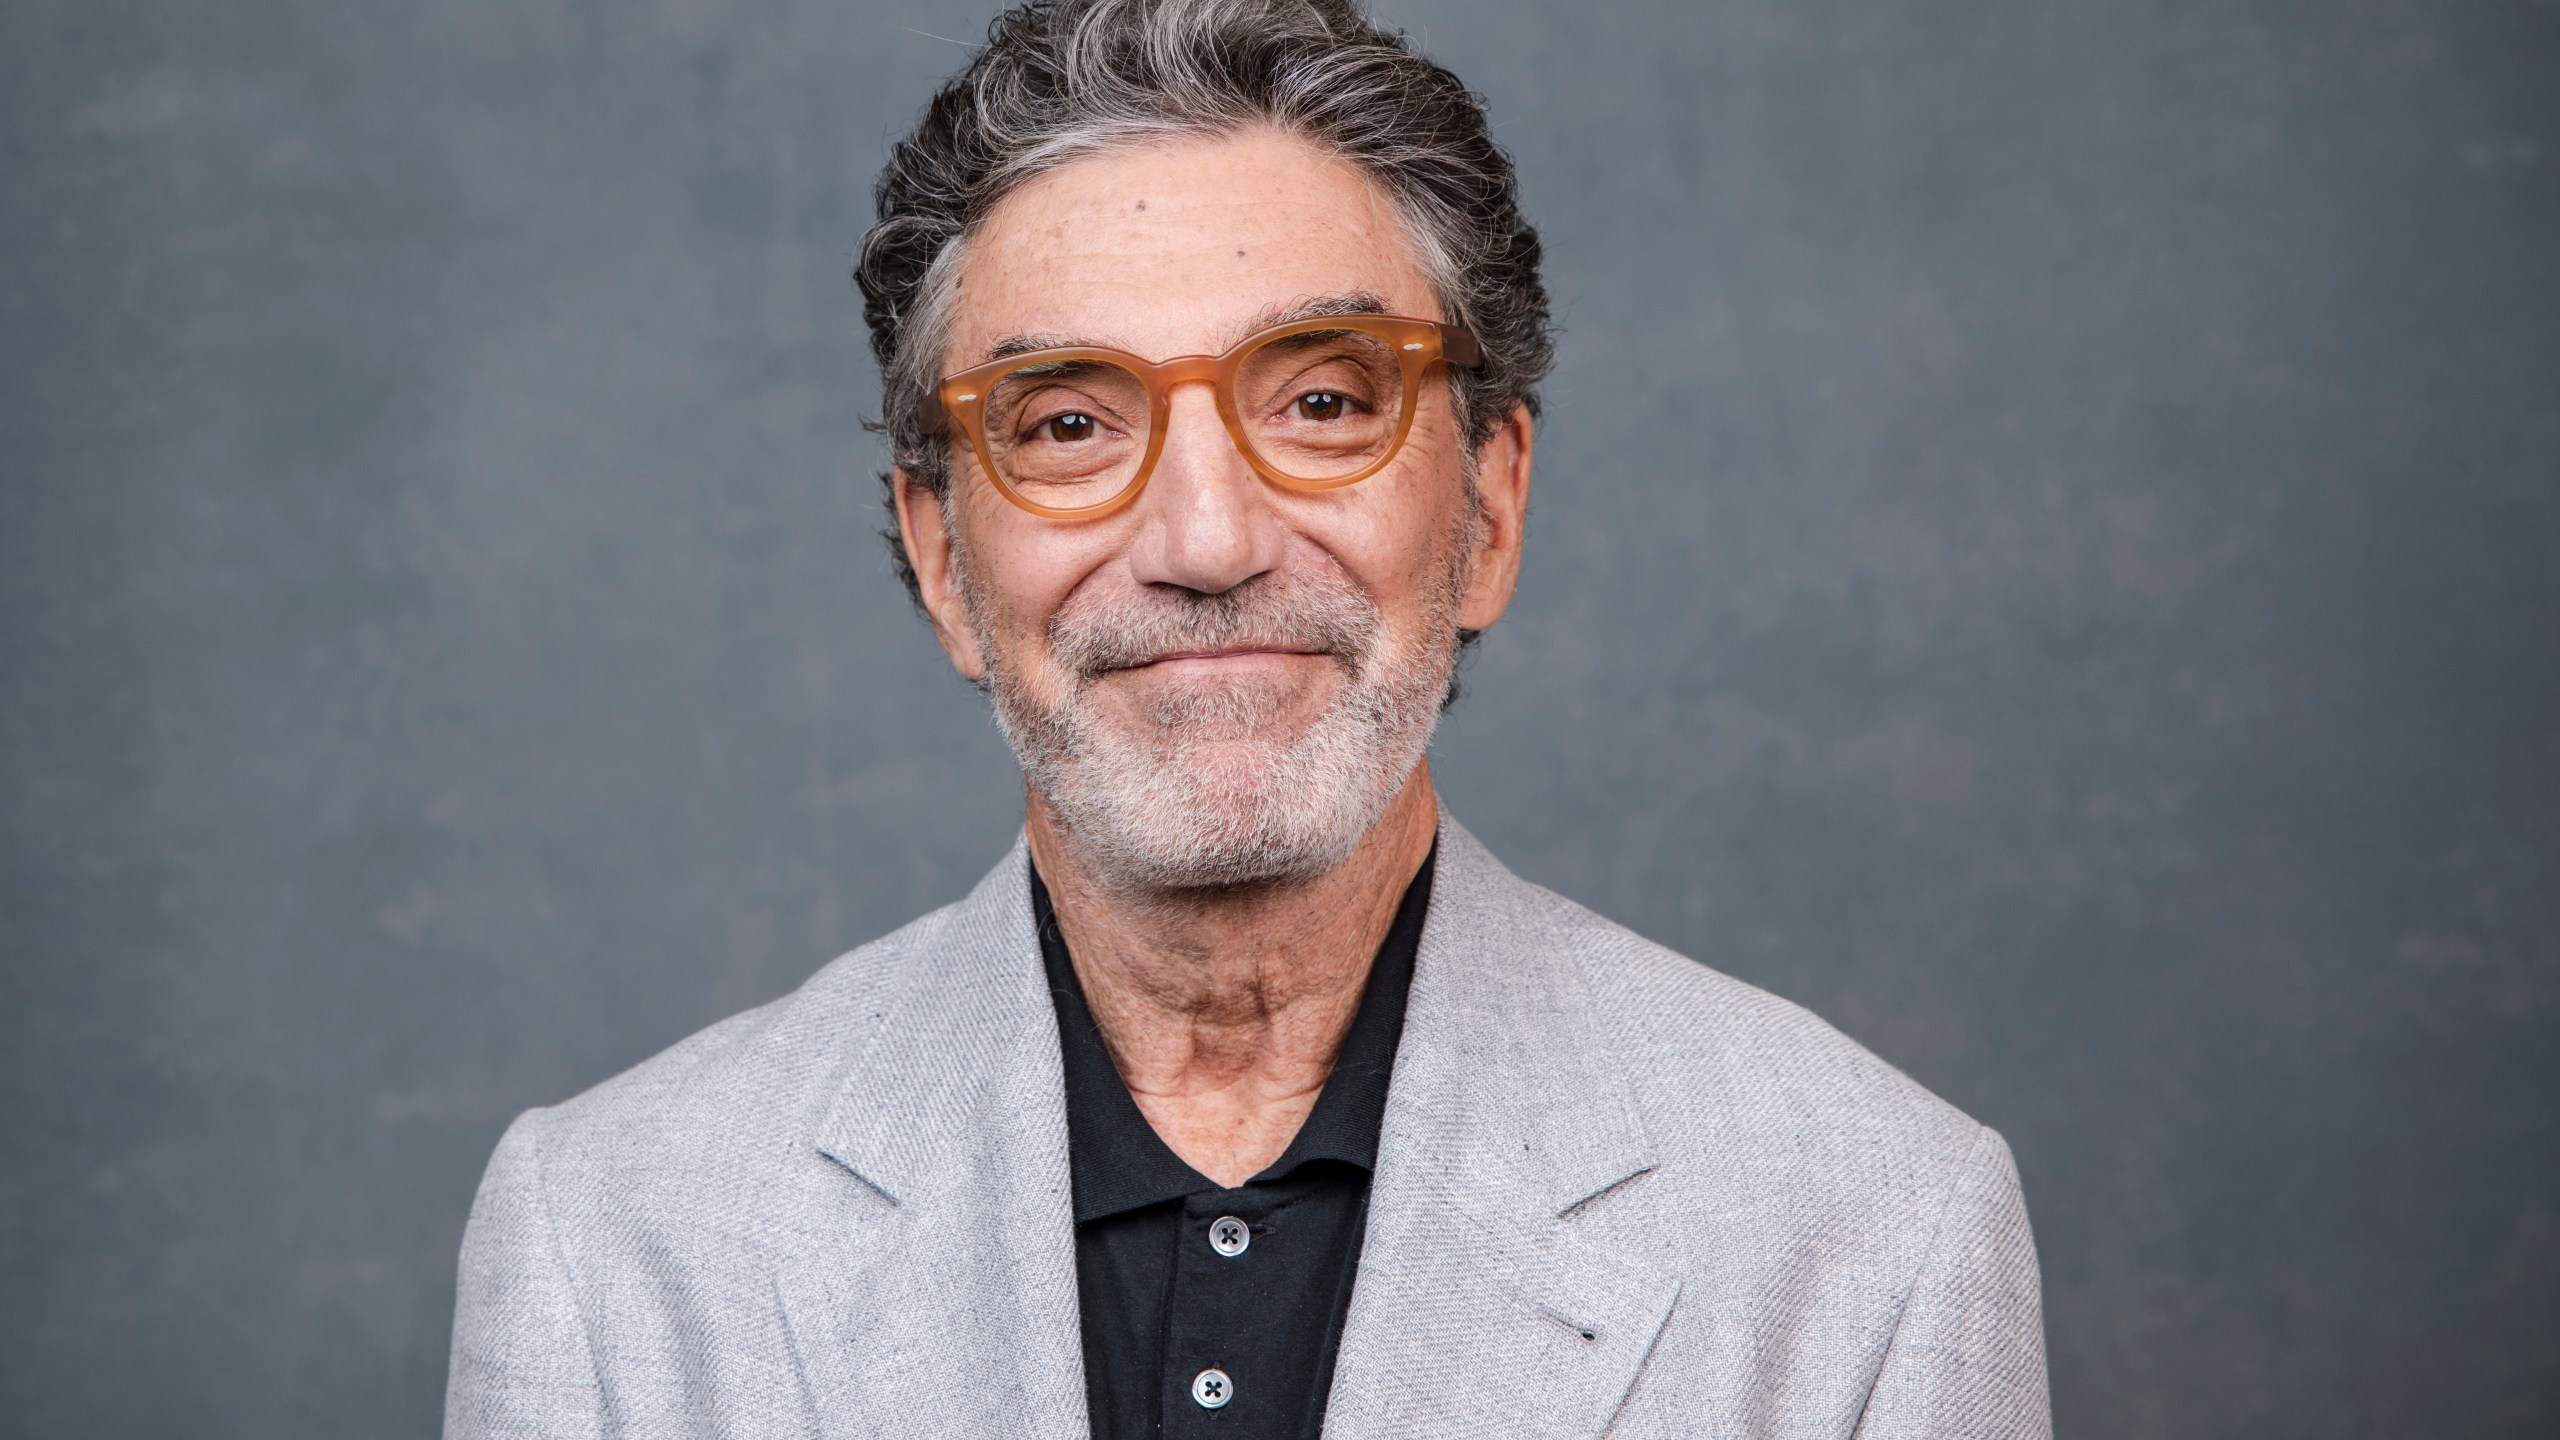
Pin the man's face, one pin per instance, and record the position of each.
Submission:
(1222, 682)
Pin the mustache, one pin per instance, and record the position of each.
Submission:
(1318, 614)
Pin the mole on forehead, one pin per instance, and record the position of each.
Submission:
(1357, 302)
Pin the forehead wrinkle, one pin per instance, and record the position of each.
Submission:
(1354, 302)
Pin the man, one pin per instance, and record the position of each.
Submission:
(1248, 1096)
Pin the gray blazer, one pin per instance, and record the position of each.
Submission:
(1617, 1193)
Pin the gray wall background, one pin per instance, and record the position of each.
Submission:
(2048, 552)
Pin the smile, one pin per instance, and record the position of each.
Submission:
(1177, 662)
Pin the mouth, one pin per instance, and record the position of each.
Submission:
(1217, 661)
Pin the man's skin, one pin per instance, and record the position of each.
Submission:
(1224, 1010)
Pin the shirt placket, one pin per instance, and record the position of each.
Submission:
(1214, 1382)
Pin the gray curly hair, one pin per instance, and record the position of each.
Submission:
(1061, 79)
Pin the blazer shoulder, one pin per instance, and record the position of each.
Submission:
(746, 1080)
(1722, 1060)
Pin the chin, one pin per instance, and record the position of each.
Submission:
(1211, 850)
(1224, 813)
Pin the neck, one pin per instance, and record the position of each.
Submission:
(1224, 1010)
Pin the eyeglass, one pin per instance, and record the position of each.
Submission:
(1073, 432)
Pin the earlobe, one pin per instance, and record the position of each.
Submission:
(924, 530)
(1502, 506)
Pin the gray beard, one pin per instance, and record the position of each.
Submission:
(1207, 787)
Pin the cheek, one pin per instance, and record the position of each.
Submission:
(1397, 539)
(1429, 502)
(1023, 569)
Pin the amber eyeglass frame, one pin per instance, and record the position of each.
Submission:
(960, 400)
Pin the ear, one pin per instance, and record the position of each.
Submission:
(924, 529)
(1502, 506)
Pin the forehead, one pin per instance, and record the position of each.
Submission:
(1175, 247)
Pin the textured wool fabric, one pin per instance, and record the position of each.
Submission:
(1617, 1193)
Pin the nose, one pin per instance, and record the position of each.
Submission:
(1205, 519)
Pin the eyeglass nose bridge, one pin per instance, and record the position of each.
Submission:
(1161, 378)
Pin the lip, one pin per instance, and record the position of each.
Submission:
(1218, 658)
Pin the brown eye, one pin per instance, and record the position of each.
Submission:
(1070, 428)
(1321, 405)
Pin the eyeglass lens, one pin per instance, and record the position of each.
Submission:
(1318, 406)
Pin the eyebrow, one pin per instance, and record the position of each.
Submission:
(1350, 302)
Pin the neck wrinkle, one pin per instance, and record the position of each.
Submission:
(1238, 999)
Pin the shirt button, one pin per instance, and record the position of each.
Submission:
(1212, 1389)
(1229, 1235)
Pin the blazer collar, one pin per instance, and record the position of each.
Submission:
(1500, 1025)
(962, 1068)
(946, 1302)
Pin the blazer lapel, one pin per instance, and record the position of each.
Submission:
(1479, 1309)
(947, 1303)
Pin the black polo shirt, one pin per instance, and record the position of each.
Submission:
(1209, 1311)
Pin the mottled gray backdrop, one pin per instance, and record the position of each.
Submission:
(2047, 552)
